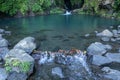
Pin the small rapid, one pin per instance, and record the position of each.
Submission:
(71, 66)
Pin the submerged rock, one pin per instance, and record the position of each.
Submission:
(111, 73)
(105, 39)
(27, 44)
(98, 48)
(57, 71)
(3, 74)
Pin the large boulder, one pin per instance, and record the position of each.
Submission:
(105, 33)
(98, 48)
(19, 61)
(17, 76)
(27, 44)
(111, 73)
(100, 60)
(114, 57)
(3, 74)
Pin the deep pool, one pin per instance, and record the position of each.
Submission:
(53, 32)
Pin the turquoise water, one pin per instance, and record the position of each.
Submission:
(56, 31)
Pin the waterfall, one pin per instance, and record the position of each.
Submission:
(68, 7)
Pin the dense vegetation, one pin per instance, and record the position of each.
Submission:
(25, 7)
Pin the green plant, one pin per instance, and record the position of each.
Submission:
(25, 66)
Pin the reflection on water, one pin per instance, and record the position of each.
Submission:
(45, 28)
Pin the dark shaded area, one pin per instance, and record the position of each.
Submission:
(2, 15)
(68, 5)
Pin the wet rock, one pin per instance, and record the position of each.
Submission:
(3, 52)
(115, 33)
(18, 60)
(114, 57)
(45, 57)
(105, 39)
(105, 33)
(111, 73)
(2, 30)
(118, 29)
(87, 35)
(100, 60)
(57, 71)
(17, 76)
(3, 47)
(27, 44)
(97, 48)
(3, 42)
(3, 74)
(113, 39)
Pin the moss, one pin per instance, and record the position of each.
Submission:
(23, 66)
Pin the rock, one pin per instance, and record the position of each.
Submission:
(27, 44)
(114, 57)
(18, 60)
(119, 29)
(57, 71)
(3, 74)
(105, 39)
(97, 48)
(3, 42)
(113, 39)
(105, 33)
(87, 35)
(17, 76)
(100, 60)
(2, 30)
(3, 52)
(111, 73)
(115, 33)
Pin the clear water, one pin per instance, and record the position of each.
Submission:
(56, 31)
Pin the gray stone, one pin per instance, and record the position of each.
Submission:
(3, 42)
(3, 52)
(105, 38)
(97, 48)
(22, 57)
(115, 33)
(118, 29)
(17, 76)
(2, 30)
(87, 35)
(114, 57)
(100, 60)
(27, 44)
(111, 73)
(105, 33)
(113, 39)
(3, 74)
(57, 71)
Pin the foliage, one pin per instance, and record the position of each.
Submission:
(13, 6)
(23, 66)
(117, 5)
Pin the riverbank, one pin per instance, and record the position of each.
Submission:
(99, 61)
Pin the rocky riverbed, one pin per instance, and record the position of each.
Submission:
(100, 60)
